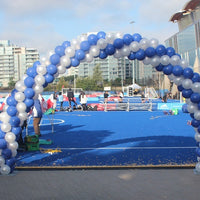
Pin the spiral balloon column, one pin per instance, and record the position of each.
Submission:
(85, 49)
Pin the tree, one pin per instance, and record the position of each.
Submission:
(11, 83)
(97, 78)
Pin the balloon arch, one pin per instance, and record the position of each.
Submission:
(84, 49)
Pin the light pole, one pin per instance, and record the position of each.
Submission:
(133, 66)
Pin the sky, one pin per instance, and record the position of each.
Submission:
(45, 24)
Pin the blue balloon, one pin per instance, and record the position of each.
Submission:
(128, 38)
(36, 63)
(195, 123)
(161, 50)
(60, 50)
(54, 59)
(192, 115)
(132, 56)
(11, 101)
(80, 54)
(186, 93)
(2, 134)
(198, 152)
(188, 73)
(118, 43)
(196, 77)
(3, 144)
(11, 162)
(150, 52)
(92, 39)
(16, 130)
(29, 93)
(31, 71)
(195, 97)
(180, 88)
(29, 82)
(159, 67)
(66, 44)
(177, 70)
(14, 91)
(168, 69)
(184, 108)
(101, 34)
(110, 49)
(178, 55)
(102, 54)
(75, 62)
(85, 46)
(48, 78)
(137, 37)
(140, 54)
(6, 153)
(29, 102)
(170, 51)
(45, 84)
(52, 69)
(14, 121)
(11, 110)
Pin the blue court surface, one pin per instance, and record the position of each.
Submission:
(113, 139)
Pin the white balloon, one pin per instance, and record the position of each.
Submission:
(147, 61)
(196, 87)
(110, 38)
(41, 69)
(75, 44)
(197, 115)
(101, 43)
(70, 51)
(5, 127)
(175, 60)
(192, 108)
(187, 83)
(155, 61)
(125, 50)
(164, 60)
(19, 96)
(61, 69)
(13, 145)
(38, 89)
(23, 115)
(2, 161)
(134, 46)
(4, 117)
(56, 74)
(94, 51)
(21, 107)
(43, 60)
(65, 61)
(171, 77)
(184, 63)
(5, 170)
(10, 137)
(144, 43)
(39, 79)
(117, 54)
(88, 58)
(118, 35)
(197, 137)
(153, 42)
(82, 38)
(197, 167)
(178, 80)
(20, 86)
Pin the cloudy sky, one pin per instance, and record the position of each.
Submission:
(44, 24)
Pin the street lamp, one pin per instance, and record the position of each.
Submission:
(133, 67)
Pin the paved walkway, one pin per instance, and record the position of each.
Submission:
(141, 184)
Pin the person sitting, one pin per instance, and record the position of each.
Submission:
(83, 100)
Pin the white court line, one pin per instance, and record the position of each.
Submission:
(110, 148)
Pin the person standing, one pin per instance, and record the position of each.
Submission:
(70, 96)
(105, 100)
(60, 99)
(54, 100)
(83, 100)
(37, 116)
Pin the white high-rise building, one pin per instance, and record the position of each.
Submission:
(14, 61)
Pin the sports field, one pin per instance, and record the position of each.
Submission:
(113, 139)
